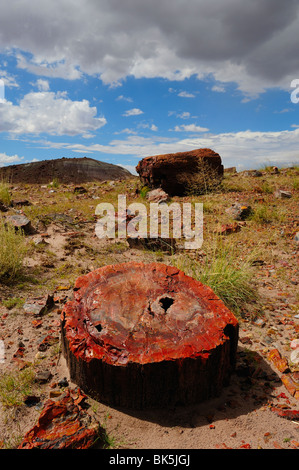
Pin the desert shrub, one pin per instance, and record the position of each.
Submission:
(205, 180)
(12, 252)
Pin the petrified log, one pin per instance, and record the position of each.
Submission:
(146, 335)
(63, 424)
(166, 171)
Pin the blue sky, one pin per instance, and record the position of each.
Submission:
(117, 81)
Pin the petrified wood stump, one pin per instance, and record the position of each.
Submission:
(165, 171)
(146, 335)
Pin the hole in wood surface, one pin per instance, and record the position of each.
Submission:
(166, 302)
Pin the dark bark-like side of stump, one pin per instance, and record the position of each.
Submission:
(130, 379)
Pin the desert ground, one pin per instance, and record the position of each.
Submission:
(259, 253)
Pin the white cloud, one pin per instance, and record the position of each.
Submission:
(124, 98)
(184, 115)
(218, 88)
(234, 41)
(190, 128)
(9, 159)
(48, 112)
(8, 79)
(245, 149)
(42, 85)
(186, 94)
(152, 127)
(133, 112)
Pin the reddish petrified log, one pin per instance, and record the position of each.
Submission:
(146, 335)
(165, 171)
(63, 424)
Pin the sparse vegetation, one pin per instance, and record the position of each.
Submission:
(204, 181)
(12, 252)
(230, 277)
(15, 386)
(5, 196)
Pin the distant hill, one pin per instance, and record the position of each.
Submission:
(65, 170)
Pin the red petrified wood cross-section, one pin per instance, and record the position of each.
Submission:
(147, 335)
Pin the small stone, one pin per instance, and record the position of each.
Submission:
(279, 193)
(157, 195)
(55, 393)
(39, 306)
(43, 376)
(31, 400)
(21, 202)
(294, 343)
(3, 207)
(294, 357)
(20, 222)
(63, 382)
(80, 190)
(239, 211)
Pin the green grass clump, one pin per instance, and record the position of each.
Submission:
(13, 302)
(13, 248)
(229, 276)
(14, 387)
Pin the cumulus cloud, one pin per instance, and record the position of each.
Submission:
(9, 159)
(49, 112)
(252, 43)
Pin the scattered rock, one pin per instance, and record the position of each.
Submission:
(288, 414)
(232, 169)
(21, 202)
(48, 341)
(226, 229)
(291, 384)
(296, 237)
(3, 207)
(168, 245)
(294, 343)
(64, 424)
(31, 400)
(254, 173)
(20, 222)
(63, 382)
(39, 305)
(280, 363)
(43, 377)
(239, 211)
(294, 357)
(279, 193)
(80, 190)
(157, 195)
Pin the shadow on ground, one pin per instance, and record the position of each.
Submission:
(251, 387)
